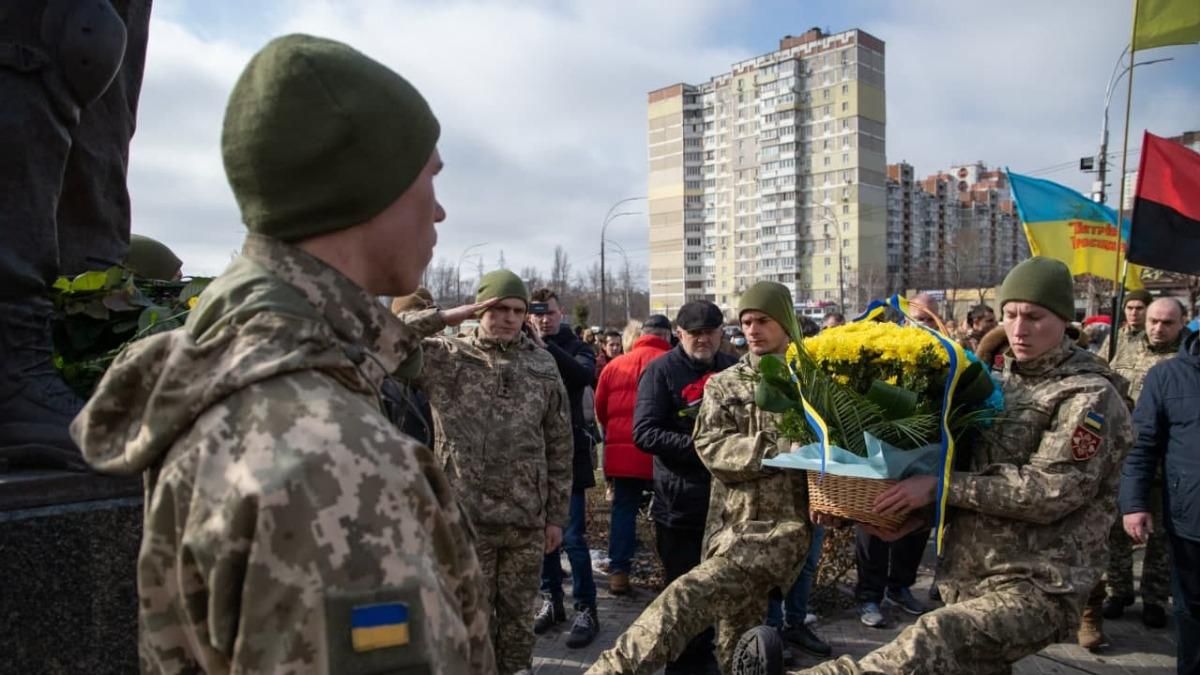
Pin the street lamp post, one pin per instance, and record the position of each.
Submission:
(609, 217)
(458, 294)
(625, 258)
(1101, 195)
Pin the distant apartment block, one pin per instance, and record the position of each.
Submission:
(774, 170)
(953, 229)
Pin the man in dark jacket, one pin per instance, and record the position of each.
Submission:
(1168, 435)
(577, 366)
(669, 395)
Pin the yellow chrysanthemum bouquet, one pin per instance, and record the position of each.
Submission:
(872, 402)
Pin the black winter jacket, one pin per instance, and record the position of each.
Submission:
(681, 482)
(1167, 424)
(577, 365)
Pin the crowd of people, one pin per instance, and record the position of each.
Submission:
(333, 485)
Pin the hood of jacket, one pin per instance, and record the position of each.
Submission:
(1189, 348)
(275, 310)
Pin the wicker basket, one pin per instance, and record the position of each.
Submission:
(850, 497)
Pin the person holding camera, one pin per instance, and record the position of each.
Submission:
(577, 365)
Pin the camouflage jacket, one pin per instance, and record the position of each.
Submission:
(501, 427)
(289, 526)
(1135, 357)
(1128, 335)
(732, 438)
(1037, 498)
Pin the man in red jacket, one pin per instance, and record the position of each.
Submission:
(630, 469)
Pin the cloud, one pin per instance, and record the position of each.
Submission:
(1022, 85)
(543, 105)
(543, 114)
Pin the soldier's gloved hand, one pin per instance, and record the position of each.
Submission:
(553, 538)
(457, 315)
(1138, 526)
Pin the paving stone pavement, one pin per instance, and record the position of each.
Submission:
(1134, 650)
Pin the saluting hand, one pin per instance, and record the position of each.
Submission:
(457, 315)
(909, 494)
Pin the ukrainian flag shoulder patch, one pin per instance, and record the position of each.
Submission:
(379, 626)
(1094, 420)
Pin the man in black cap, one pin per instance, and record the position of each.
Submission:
(669, 394)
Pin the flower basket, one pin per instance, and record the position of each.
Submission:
(868, 404)
(850, 497)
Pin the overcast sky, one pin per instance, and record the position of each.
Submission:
(543, 104)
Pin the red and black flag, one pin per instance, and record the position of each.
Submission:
(1165, 232)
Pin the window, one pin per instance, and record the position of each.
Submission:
(845, 89)
(845, 106)
(845, 158)
(845, 208)
(826, 161)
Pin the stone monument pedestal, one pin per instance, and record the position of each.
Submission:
(68, 572)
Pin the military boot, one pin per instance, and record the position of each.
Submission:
(551, 614)
(759, 652)
(1091, 629)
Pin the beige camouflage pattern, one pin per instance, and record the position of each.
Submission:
(278, 495)
(756, 536)
(1136, 356)
(1028, 528)
(980, 636)
(502, 427)
(1132, 363)
(1027, 507)
(1127, 336)
(511, 559)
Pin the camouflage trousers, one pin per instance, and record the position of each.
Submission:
(981, 636)
(1156, 570)
(729, 589)
(511, 559)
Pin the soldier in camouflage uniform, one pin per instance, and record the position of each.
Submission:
(1134, 308)
(502, 433)
(758, 530)
(1159, 341)
(1031, 505)
(289, 525)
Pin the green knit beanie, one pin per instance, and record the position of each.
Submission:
(151, 259)
(501, 284)
(1140, 294)
(319, 138)
(774, 300)
(1042, 281)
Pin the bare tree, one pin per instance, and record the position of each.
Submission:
(532, 277)
(560, 272)
(440, 279)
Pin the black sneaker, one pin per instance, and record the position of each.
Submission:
(804, 638)
(551, 614)
(585, 628)
(759, 652)
(907, 601)
(1114, 606)
(1154, 616)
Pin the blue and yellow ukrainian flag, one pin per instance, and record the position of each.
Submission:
(379, 626)
(1062, 224)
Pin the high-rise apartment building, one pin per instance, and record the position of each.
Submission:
(955, 229)
(774, 170)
